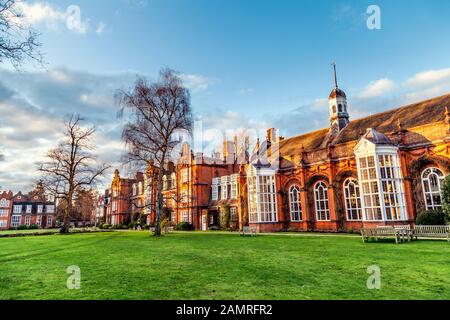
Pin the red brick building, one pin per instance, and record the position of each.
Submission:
(28, 210)
(380, 170)
(5, 209)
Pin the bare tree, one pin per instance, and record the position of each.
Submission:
(71, 167)
(18, 42)
(159, 111)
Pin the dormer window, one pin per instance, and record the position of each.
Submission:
(340, 107)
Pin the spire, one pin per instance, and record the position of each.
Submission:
(335, 75)
(339, 117)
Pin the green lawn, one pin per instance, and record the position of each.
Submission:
(28, 231)
(134, 265)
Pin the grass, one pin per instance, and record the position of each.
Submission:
(134, 265)
(7, 232)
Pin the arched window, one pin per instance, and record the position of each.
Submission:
(295, 203)
(321, 200)
(432, 179)
(352, 199)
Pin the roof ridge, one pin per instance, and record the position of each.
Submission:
(402, 107)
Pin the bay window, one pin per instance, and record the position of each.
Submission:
(382, 191)
(262, 195)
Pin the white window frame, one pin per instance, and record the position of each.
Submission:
(234, 186)
(17, 209)
(386, 182)
(40, 208)
(225, 181)
(15, 221)
(49, 221)
(322, 201)
(50, 208)
(39, 220)
(352, 200)
(3, 223)
(4, 212)
(4, 203)
(262, 195)
(233, 212)
(426, 187)
(295, 203)
(185, 175)
(215, 189)
(27, 220)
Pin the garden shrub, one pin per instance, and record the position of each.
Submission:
(431, 218)
(184, 226)
(34, 227)
(22, 227)
(446, 198)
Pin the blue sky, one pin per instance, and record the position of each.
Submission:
(249, 63)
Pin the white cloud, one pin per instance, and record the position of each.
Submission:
(430, 77)
(55, 19)
(196, 83)
(378, 88)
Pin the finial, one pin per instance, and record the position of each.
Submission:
(335, 75)
(399, 125)
(447, 115)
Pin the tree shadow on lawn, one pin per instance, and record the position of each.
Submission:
(27, 254)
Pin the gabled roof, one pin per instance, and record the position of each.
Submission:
(410, 116)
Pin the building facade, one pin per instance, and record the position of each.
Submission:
(5, 209)
(384, 169)
(380, 170)
(29, 210)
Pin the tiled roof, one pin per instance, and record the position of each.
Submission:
(410, 116)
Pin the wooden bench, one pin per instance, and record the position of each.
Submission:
(168, 229)
(380, 233)
(441, 232)
(248, 231)
(406, 233)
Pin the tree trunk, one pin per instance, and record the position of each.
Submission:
(159, 204)
(66, 221)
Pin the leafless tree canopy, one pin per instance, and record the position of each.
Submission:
(17, 41)
(159, 111)
(72, 166)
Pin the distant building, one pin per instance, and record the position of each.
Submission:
(28, 210)
(5, 209)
